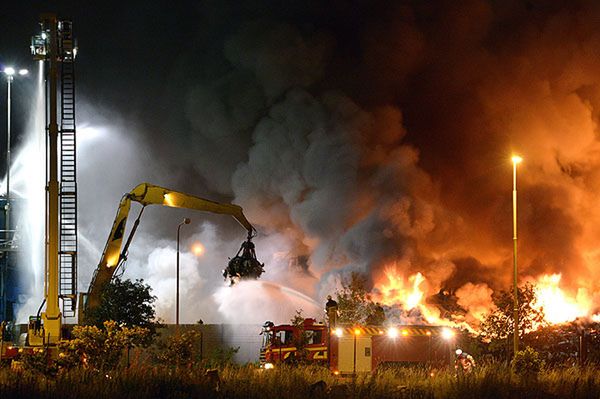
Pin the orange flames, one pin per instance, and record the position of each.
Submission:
(558, 306)
(397, 291)
(410, 294)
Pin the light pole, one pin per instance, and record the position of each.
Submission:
(10, 73)
(185, 221)
(515, 161)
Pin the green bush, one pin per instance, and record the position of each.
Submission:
(527, 362)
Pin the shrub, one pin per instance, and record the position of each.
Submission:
(180, 349)
(100, 349)
(527, 362)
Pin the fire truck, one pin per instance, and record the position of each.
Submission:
(358, 349)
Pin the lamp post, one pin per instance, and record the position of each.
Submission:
(515, 161)
(185, 221)
(10, 73)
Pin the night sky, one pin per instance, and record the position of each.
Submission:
(357, 135)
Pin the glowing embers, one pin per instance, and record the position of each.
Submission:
(558, 306)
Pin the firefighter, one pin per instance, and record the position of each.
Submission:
(464, 362)
(331, 308)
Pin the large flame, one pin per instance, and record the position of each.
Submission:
(409, 293)
(398, 291)
(393, 289)
(558, 306)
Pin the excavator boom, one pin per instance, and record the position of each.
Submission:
(148, 194)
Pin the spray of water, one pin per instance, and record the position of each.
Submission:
(253, 302)
(28, 175)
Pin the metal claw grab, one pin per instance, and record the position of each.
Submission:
(244, 266)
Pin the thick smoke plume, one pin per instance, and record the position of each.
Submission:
(372, 137)
(395, 154)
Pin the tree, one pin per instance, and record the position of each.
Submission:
(355, 305)
(128, 303)
(499, 324)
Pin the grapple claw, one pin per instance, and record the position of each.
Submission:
(244, 264)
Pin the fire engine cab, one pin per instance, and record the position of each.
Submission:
(279, 342)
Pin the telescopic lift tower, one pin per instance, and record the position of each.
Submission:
(55, 47)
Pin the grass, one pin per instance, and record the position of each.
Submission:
(491, 381)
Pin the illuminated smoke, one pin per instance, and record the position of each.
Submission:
(400, 151)
(375, 137)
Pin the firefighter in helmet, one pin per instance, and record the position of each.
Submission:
(464, 362)
(331, 308)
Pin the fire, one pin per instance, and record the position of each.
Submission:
(409, 293)
(397, 291)
(558, 306)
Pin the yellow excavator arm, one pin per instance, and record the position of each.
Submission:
(148, 194)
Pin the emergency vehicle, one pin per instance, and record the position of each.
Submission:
(359, 349)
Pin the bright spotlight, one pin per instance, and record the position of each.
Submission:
(392, 332)
(339, 332)
(447, 334)
(269, 366)
(516, 159)
(198, 249)
(23, 72)
(10, 71)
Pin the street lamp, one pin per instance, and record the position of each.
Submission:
(185, 221)
(515, 161)
(10, 73)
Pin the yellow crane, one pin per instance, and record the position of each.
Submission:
(148, 194)
(243, 265)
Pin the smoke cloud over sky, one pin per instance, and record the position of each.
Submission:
(357, 136)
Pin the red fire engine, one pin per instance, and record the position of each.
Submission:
(347, 350)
